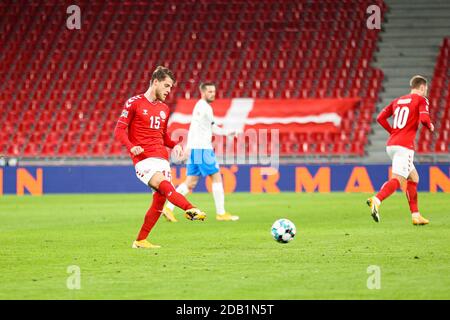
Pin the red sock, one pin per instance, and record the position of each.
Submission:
(387, 189)
(167, 190)
(152, 215)
(411, 194)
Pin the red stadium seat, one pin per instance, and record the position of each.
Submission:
(71, 104)
(440, 91)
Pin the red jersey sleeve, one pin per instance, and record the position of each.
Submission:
(168, 142)
(121, 132)
(424, 112)
(383, 116)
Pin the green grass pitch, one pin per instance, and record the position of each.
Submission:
(336, 242)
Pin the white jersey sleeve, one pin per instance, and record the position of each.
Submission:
(200, 130)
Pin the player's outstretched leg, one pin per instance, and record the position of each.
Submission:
(191, 213)
(386, 190)
(169, 207)
(219, 200)
(411, 194)
(150, 220)
(374, 205)
(219, 194)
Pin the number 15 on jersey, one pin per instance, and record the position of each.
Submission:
(155, 122)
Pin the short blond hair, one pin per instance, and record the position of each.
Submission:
(417, 81)
(161, 73)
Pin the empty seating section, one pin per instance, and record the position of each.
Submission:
(63, 89)
(439, 98)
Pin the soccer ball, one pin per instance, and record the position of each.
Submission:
(283, 230)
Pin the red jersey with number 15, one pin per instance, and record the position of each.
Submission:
(147, 127)
(407, 112)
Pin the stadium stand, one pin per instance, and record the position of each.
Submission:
(63, 89)
(413, 42)
(440, 105)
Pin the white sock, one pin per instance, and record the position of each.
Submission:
(219, 197)
(415, 215)
(377, 201)
(183, 189)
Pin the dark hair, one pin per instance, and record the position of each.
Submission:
(417, 81)
(161, 73)
(203, 85)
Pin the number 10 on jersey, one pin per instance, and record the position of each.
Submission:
(400, 117)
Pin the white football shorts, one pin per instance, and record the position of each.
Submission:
(145, 169)
(402, 160)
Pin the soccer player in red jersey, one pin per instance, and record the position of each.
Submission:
(408, 111)
(142, 128)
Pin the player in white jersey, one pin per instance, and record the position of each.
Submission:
(202, 160)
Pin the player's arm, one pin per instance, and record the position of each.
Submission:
(383, 116)
(121, 129)
(168, 142)
(175, 145)
(172, 144)
(424, 114)
(222, 131)
(218, 130)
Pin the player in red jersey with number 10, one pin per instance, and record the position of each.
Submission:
(408, 111)
(145, 118)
